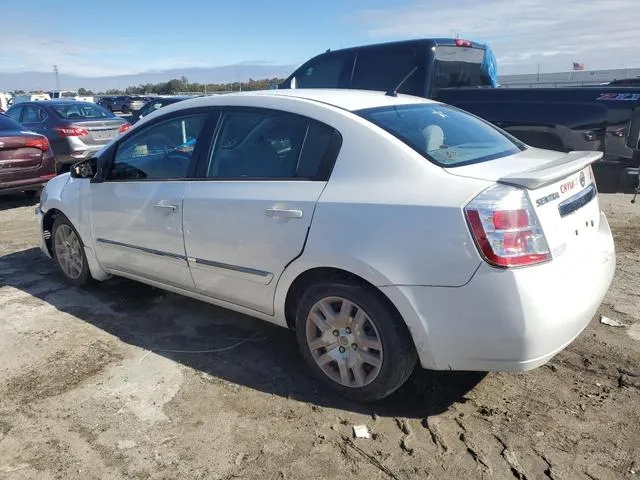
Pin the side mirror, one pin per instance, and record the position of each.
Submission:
(84, 169)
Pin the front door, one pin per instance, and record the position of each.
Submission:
(136, 213)
(249, 218)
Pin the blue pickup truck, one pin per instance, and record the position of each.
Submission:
(463, 73)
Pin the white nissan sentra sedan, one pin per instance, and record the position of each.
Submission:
(386, 230)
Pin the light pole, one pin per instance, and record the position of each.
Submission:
(55, 71)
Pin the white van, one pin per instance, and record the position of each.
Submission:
(31, 97)
(5, 101)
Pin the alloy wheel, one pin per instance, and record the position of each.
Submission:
(68, 251)
(344, 342)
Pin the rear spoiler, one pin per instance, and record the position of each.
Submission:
(553, 171)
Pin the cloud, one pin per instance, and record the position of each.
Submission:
(522, 33)
(37, 51)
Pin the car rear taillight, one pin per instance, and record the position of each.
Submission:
(505, 228)
(124, 127)
(41, 143)
(71, 131)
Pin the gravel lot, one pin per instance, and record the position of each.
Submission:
(122, 380)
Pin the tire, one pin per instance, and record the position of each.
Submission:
(396, 357)
(63, 230)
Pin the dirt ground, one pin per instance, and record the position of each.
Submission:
(122, 380)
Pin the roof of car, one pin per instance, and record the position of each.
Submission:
(344, 99)
(56, 101)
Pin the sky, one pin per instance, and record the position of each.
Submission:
(97, 38)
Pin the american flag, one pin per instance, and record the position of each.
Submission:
(578, 66)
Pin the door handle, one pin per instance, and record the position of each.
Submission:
(283, 213)
(173, 208)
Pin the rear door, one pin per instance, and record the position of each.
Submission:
(249, 216)
(137, 211)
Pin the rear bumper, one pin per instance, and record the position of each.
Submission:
(35, 183)
(76, 153)
(515, 319)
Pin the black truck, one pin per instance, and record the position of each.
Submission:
(462, 73)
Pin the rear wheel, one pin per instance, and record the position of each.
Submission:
(68, 252)
(354, 342)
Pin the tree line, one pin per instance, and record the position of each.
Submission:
(181, 85)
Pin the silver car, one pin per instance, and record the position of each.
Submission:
(75, 129)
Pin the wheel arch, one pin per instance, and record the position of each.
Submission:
(297, 277)
(313, 275)
(48, 219)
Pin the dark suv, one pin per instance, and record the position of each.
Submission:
(113, 104)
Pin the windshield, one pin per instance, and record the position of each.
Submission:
(68, 94)
(80, 110)
(445, 135)
(460, 67)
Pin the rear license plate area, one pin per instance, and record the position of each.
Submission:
(103, 135)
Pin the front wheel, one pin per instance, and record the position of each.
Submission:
(68, 252)
(354, 342)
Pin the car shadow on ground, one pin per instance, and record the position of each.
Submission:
(17, 200)
(224, 344)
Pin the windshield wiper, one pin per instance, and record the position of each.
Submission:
(394, 92)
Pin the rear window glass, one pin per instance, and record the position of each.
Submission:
(459, 67)
(8, 124)
(80, 110)
(445, 135)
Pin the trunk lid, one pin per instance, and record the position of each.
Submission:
(561, 188)
(100, 132)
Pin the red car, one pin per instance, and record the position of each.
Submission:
(26, 159)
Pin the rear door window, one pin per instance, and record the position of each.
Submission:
(382, 68)
(327, 71)
(33, 114)
(266, 144)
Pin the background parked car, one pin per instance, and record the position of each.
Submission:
(75, 129)
(26, 158)
(113, 104)
(133, 104)
(154, 104)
